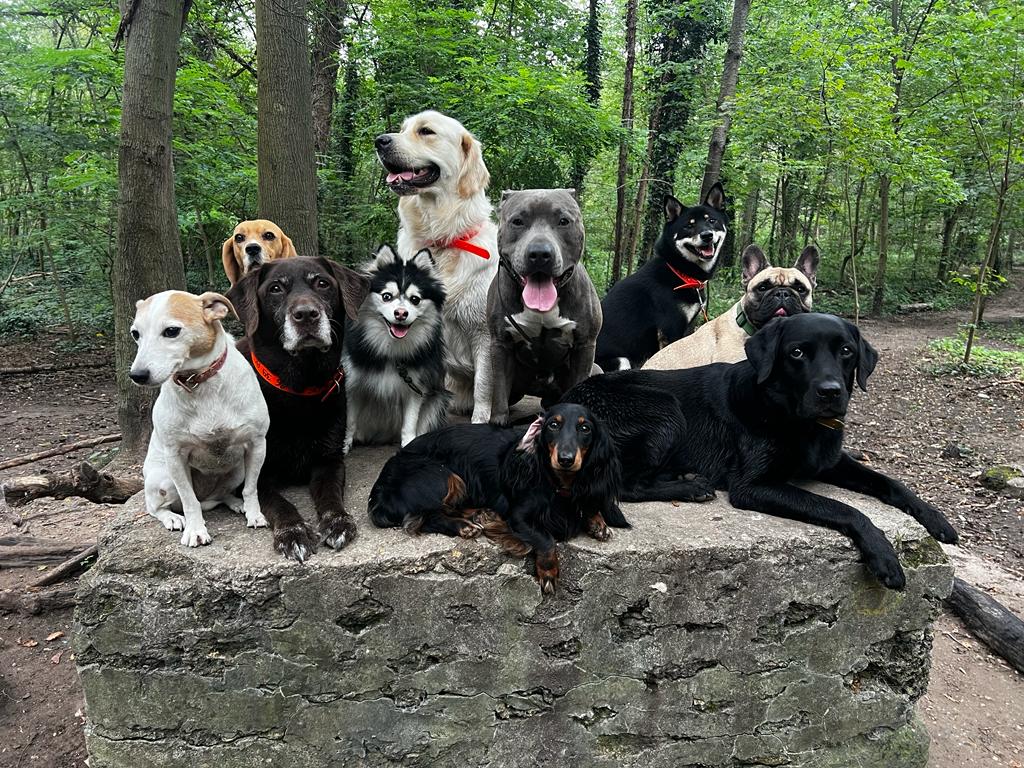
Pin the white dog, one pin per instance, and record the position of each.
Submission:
(210, 420)
(435, 165)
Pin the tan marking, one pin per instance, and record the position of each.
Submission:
(186, 309)
(281, 247)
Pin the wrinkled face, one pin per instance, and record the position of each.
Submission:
(774, 291)
(696, 234)
(302, 301)
(566, 437)
(541, 233)
(403, 290)
(172, 328)
(258, 241)
(434, 154)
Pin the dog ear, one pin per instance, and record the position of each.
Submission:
(473, 174)
(673, 208)
(575, 195)
(763, 348)
(384, 256)
(867, 356)
(754, 261)
(354, 286)
(287, 247)
(808, 263)
(601, 474)
(215, 306)
(715, 198)
(227, 257)
(245, 301)
(424, 259)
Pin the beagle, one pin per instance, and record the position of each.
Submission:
(253, 243)
(210, 420)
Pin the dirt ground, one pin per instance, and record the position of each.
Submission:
(974, 708)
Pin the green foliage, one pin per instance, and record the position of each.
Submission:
(946, 357)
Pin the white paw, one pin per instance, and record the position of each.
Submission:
(195, 536)
(234, 504)
(255, 519)
(348, 446)
(171, 520)
(481, 415)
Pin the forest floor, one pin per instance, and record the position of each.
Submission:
(974, 708)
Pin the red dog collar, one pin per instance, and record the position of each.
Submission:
(686, 280)
(326, 389)
(462, 243)
(191, 381)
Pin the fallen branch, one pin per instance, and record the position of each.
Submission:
(990, 621)
(35, 603)
(52, 368)
(67, 568)
(68, 448)
(26, 552)
(84, 480)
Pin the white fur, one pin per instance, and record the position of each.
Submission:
(533, 322)
(432, 218)
(208, 441)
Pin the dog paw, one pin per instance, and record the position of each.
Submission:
(195, 536)
(295, 542)
(337, 532)
(235, 504)
(885, 566)
(172, 521)
(696, 488)
(598, 529)
(500, 419)
(934, 522)
(255, 520)
(547, 571)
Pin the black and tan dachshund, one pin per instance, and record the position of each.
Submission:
(756, 426)
(525, 489)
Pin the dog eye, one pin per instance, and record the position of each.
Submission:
(846, 351)
(692, 222)
(386, 296)
(763, 287)
(239, 238)
(517, 222)
(268, 235)
(563, 222)
(797, 353)
(801, 289)
(135, 334)
(415, 300)
(171, 333)
(425, 131)
(584, 428)
(554, 426)
(321, 283)
(275, 288)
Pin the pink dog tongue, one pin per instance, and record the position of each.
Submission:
(539, 293)
(404, 176)
(398, 331)
(781, 312)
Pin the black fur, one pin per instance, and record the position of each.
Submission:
(307, 434)
(440, 482)
(757, 425)
(644, 311)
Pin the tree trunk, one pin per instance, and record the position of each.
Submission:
(592, 76)
(627, 127)
(948, 226)
(883, 244)
(726, 92)
(286, 160)
(986, 262)
(324, 64)
(148, 257)
(749, 226)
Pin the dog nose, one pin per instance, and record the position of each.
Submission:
(253, 249)
(302, 314)
(566, 460)
(383, 141)
(139, 377)
(401, 314)
(829, 390)
(539, 255)
(706, 237)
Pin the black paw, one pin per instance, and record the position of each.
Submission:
(695, 488)
(296, 542)
(337, 532)
(934, 522)
(885, 566)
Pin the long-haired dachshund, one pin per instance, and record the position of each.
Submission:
(525, 490)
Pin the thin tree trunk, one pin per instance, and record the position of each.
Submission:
(749, 226)
(726, 92)
(883, 245)
(775, 216)
(592, 76)
(148, 257)
(948, 226)
(286, 159)
(986, 263)
(627, 128)
(324, 63)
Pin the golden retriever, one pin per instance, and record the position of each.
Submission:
(251, 244)
(437, 169)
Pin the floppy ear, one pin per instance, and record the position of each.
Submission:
(715, 198)
(227, 257)
(287, 247)
(808, 263)
(245, 301)
(673, 208)
(754, 261)
(354, 286)
(867, 356)
(601, 475)
(473, 175)
(763, 348)
(424, 259)
(215, 306)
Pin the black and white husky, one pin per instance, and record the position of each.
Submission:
(394, 352)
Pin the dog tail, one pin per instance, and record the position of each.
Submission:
(498, 531)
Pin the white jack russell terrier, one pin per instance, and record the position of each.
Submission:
(210, 420)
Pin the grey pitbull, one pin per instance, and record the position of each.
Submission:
(542, 310)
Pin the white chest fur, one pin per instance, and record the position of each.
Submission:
(533, 323)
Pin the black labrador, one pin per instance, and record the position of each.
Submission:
(755, 426)
(294, 313)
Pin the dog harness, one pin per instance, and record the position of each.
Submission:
(462, 242)
(326, 390)
(191, 381)
(691, 282)
(744, 322)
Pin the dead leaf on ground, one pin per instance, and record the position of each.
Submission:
(54, 635)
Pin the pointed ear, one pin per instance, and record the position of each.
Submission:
(245, 301)
(763, 348)
(354, 286)
(287, 247)
(808, 263)
(227, 257)
(473, 175)
(754, 261)
(867, 356)
(424, 260)
(385, 256)
(715, 198)
(575, 195)
(215, 306)
(673, 208)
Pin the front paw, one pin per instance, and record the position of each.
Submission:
(295, 542)
(500, 419)
(598, 529)
(547, 571)
(933, 521)
(481, 415)
(337, 532)
(195, 535)
(172, 521)
(881, 559)
(696, 488)
(254, 517)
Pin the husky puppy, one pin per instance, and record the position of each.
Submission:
(394, 352)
